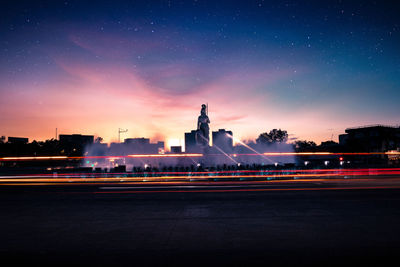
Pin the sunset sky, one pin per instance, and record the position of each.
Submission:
(312, 68)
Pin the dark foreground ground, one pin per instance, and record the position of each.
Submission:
(76, 226)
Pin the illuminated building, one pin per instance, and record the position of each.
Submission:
(222, 140)
(190, 142)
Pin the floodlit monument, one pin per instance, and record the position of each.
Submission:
(203, 130)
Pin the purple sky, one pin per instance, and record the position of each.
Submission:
(310, 69)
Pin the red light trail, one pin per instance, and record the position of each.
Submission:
(189, 155)
(268, 175)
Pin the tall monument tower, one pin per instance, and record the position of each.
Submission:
(203, 130)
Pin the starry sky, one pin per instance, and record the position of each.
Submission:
(312, 68)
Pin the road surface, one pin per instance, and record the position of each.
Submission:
(229, 223)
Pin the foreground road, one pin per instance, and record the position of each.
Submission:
(232, 223)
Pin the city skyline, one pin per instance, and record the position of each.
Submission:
(313, 69)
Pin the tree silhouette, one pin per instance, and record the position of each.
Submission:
(98, 139)
(274, 136)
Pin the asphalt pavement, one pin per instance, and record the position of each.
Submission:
(230, 224)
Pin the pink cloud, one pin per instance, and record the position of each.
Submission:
(112, 46)
(159, 100)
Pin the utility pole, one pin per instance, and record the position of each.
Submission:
(120, 130)
(56, 133)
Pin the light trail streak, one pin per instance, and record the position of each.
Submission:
(100, 157)
(276, 154)
(94, 178)
(252, 149)
(193, 174)
(139, 184)
(174, 183)
(163, 155)
(220, 150)
(329, 153)
(227, 155)
(35, 158)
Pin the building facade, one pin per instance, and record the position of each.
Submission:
(190, 142)
(375, 138)
(222, 140)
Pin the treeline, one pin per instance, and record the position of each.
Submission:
(50, 147)
(54, 147)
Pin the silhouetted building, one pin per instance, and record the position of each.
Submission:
(176, 149)
(343, 139)
(160, 147)
(376, 138)
(74, 144)
(190, 142)
(18, 140)
(141, 146)
(222, 140)
(77, 139)
(137, 141)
